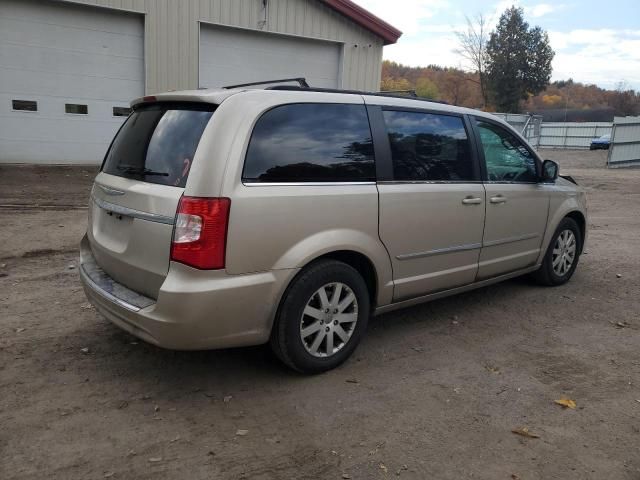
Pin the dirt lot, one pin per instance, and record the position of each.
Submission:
(433, 392)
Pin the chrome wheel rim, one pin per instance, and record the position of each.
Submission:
(564, 253)
(329, 320)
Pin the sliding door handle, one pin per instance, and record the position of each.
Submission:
(472, 201)
(498, 199)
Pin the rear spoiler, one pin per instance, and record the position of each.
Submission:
(215, 97)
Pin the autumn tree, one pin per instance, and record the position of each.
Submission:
(395, 84)
(472, 46)
(518, 61)
(426, 88)
(624, 100)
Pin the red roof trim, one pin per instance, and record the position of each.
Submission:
(366, 19)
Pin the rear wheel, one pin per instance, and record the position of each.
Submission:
(322, 317)
(562, 256)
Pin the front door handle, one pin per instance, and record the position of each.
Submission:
(472, 201)
(498, 199)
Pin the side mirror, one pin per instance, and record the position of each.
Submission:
(550, 170)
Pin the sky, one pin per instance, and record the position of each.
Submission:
(596, 42)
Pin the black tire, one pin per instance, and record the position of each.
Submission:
(286, 341)
(546, 275)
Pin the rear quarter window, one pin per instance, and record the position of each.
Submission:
(157, 143)
(311, 143)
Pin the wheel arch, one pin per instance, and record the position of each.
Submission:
(580, 219)
(570, 208)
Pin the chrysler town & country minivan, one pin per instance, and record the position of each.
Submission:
(289, 215)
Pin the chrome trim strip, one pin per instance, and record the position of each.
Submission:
(130, 212)
(503, 241)
(304, 184)
(440, 251)
(430, 182)
(446, 293)
(103, 293)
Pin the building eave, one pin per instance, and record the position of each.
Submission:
(366, 19)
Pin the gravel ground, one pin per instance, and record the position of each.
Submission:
(433, 392)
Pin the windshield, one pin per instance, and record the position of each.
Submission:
(157, 143)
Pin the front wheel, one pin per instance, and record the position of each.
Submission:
(562, 256)
(322, 318)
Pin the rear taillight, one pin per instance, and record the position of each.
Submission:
(200, 235)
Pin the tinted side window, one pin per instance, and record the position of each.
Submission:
(429, 147)
(311, 143)
(506, 157)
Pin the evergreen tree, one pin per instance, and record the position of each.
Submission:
(519, 61)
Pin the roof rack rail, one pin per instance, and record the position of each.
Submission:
(411, 93)
(353, 92)
(301, 81)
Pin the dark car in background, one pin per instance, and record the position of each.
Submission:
(601, 143)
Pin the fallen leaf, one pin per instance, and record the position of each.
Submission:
(384, 468)
(155, 459)
(109, 474)
(242, 433)
(85, 350)
(351, 380)
(346, 476)
(20, 329)
(566, 402)
(227, 399)
(515, 477)
(492, 369)
(524, 432)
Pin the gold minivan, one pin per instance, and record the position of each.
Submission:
(232, 217)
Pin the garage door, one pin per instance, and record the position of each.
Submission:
(230, 56)
(67, 74)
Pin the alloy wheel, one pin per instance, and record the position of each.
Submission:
(564, 252)
(329, 319)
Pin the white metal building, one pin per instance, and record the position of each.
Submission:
(68, 69)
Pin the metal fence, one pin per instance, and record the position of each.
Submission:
(572, 135)
(528, 125)
(625, 143)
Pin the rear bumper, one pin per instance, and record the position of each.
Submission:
(195, 310)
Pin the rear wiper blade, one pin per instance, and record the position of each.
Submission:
(141, 171)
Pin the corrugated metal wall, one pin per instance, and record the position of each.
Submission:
(571, 135)
(529, 126)
(625, 143)
(172, 35)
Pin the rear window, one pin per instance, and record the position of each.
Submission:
(311, 143)
(157, 143)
